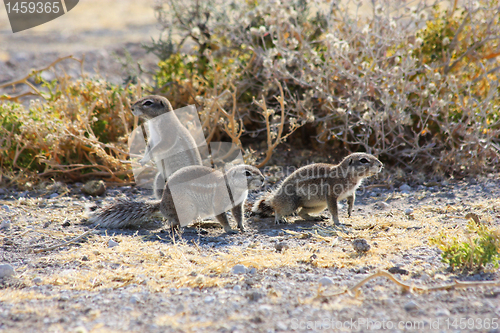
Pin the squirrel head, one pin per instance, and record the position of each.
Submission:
(245, 176)
(151, 106)
(362, 165)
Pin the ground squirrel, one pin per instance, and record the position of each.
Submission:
(314, 187)
(190, 193)
(170, 145)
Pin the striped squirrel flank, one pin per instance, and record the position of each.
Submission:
(193, 196)
(312, 188)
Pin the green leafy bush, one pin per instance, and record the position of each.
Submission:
(481, 246)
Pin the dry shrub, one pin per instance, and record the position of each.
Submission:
(414, 83)
(77, 128)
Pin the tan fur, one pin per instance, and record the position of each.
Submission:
(194, 197)
(314, 187)
(159, 143)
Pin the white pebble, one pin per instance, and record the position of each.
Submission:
(442, 313)
(409, 211)
(239, 269)
(5, 225)
(237, 288)
(405, 188)
(325, 281)
(37, 280)
(134, 299)
(209, 299)
(6, 270)
(112, 243)
(280, 326)
(265, 309)
(382, 205)
(410, 306)
(6, 208)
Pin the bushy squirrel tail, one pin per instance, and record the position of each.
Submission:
(124, 213)
(262, 206)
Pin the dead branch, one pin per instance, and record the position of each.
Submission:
(232, 129)
(25, 81)
(279, 137)
(65, 243)
(455, 285)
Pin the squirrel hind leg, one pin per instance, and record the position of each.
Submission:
(305, 211)
(222, 218)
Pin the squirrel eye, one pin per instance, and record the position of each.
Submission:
(147, 103)
(248, 173)
(364, 160)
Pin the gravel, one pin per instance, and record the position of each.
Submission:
(276, 299)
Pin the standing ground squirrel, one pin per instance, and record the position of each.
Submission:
(192, 192)
(314, 187)
(170, 144)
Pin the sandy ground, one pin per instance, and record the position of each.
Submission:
(151, 280)
(268, 279)
(102, 31)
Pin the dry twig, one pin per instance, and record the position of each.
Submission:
(65, 243)
(455, 285)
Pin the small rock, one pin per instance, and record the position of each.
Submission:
(442, 313)
(410, 306)
(209, 299)
(5, 225)
(280, 326)
(409, 211)
(85, 258)
(265, 310)
(252, 271)
(37, 280)
(325, 281)
(360, 245)
(281, 246)
(112, 243)
(53, 195)
(64, 298)
(66, 224)
(405, 188)
(424, 277)
(239, 269)
(397, 270)
(134, 299)
(6, 208)
(237, 288)
(94, 187)
(6, 270)
(381, 205)
(254, 296)
(80, 329)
